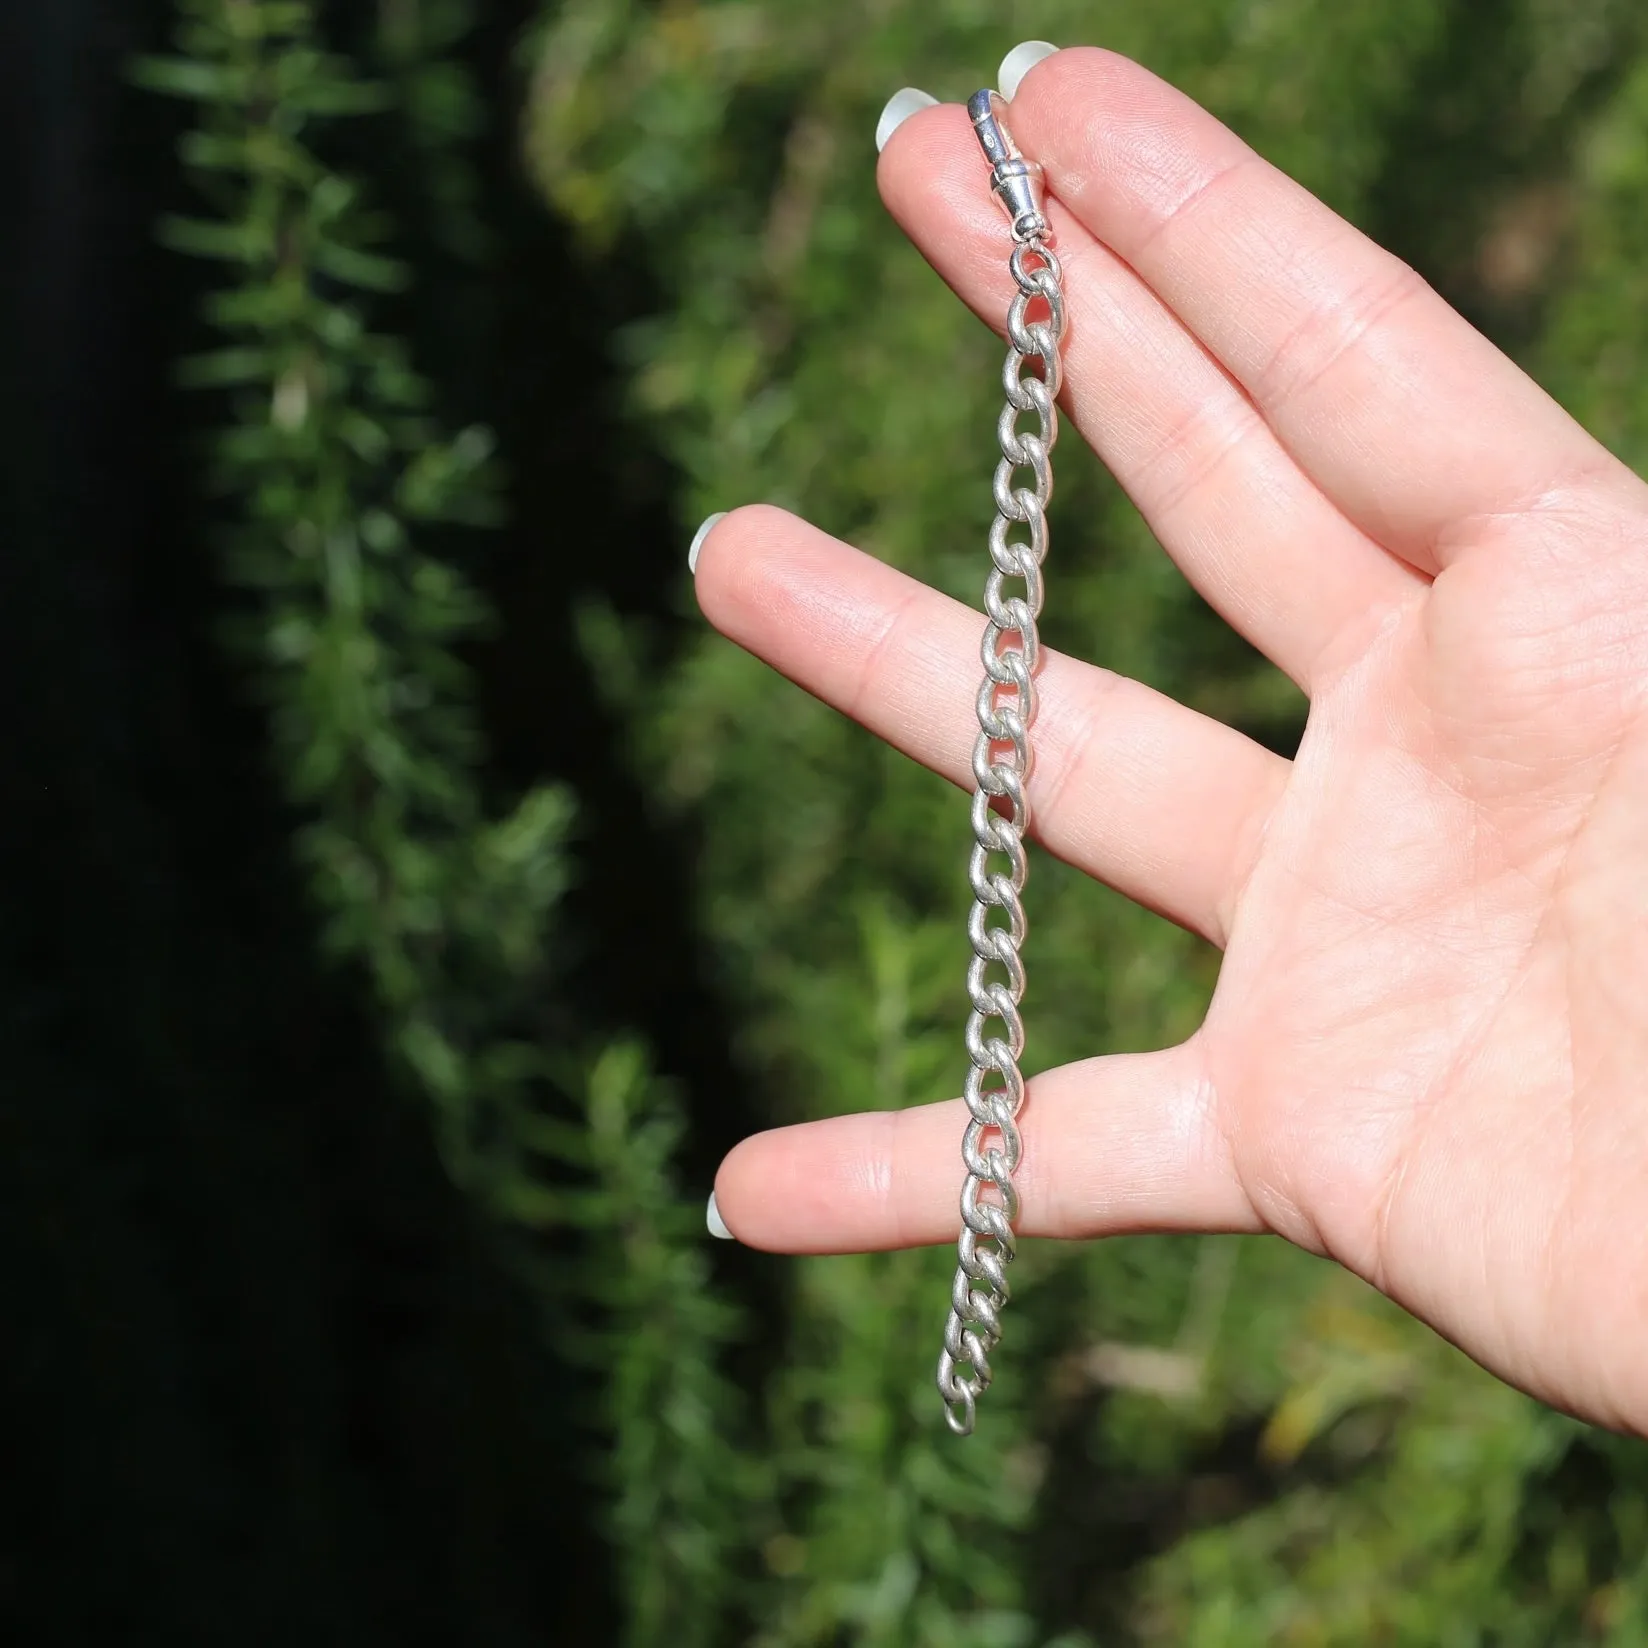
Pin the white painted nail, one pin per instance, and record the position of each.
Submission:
(717, 1225)
(698, 539)
(1019, 62)
(900, 106)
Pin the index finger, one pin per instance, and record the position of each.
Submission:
(1404, 414)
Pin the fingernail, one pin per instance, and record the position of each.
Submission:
(900, 106)
(698, 539)
(1019, 62)
(717, 1225)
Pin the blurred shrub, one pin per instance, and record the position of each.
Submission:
(1192, 1441)
(1204, 1442)
(341, 494)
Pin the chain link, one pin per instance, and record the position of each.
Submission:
(1010, 651)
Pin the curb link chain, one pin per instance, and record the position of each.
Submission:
(998, 867)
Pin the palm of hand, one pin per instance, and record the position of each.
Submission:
(1426, 1035)
(1422, 1057)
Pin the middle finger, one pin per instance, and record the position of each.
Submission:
(1228, 503)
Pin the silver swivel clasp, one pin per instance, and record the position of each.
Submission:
(1017, 182)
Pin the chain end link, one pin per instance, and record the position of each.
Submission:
(960, 1396)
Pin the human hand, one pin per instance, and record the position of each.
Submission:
(1428, 1048)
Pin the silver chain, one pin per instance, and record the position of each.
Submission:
(1001, 768)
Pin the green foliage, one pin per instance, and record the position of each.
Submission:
(684, 1498)
(341, 492)
(803, 354)
(336, 474)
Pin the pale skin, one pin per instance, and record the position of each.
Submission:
(1427, 1053)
